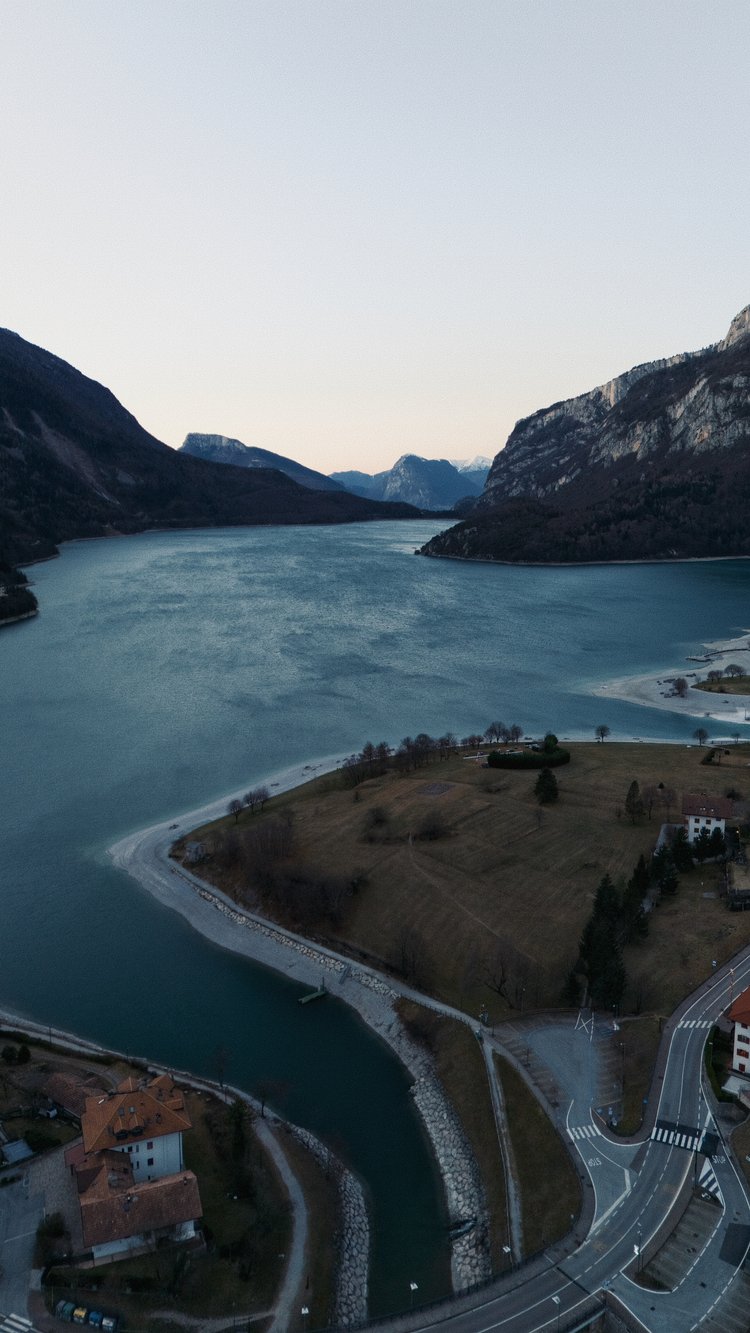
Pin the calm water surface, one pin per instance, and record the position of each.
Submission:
(170, 668)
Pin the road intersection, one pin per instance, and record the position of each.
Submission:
(640, 1190)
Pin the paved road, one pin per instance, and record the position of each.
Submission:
(634, 1191)
(656, 1171)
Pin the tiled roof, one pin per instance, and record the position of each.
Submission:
(113, 1208)
(740, 1010)
(711, 807)
(149, 1111)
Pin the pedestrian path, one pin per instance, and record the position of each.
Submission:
(708, 1183)
(696, 1023)
(578, 1132)
(16, 1323)
(677, 1136)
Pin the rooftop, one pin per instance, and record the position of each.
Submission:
(711, 807)
(135, 1111)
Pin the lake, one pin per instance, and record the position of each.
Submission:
(170, 668)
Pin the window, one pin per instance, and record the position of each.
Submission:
(150, 1144)
(150, 1162)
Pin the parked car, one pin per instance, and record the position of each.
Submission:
(96, 1318)
(64, 1310)
(80, 1314)
(109, 1323)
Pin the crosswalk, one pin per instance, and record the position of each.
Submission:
(16, 1323)
(695, 1023)
(708, 1182)
(584, 1132)
(676, 1136)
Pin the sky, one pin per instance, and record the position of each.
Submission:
(345, 230)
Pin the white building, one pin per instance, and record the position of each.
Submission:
(132, 1184)
(705, 812)
(739, 1015)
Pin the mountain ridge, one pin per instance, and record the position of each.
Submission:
(428, 483)
(225, 449)
(75, 463)
(619, 467)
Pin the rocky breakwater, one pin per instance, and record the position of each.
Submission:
(352, 1241)
(470, 1258)
(374, 1000)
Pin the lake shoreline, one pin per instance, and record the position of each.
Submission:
(655, 691)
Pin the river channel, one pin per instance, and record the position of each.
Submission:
(170, 668)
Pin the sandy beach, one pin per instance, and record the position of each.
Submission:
(654, 691)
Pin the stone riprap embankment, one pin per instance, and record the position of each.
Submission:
(374, 1000)
(353, 1240)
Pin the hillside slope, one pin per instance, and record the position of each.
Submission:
(74, 463)
(653, 465)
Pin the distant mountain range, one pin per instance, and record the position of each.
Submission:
(428, 483)
(654, 465)
(221, 449)
(75, 463)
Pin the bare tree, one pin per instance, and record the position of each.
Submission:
(515, 732)
(680, 687)
(667, 798)
(701, 735)
(733, 670)
(649, 796)
(235, 808)
(714, 676)
(602, 732)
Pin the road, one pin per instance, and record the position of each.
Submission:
(637, 1187)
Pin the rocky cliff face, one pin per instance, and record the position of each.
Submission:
(685, 404)
(653, 465)
(428, 483)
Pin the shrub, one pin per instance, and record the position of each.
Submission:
(528, 758)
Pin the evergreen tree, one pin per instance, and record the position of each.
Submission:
(633, 803)
(717, 843)
(545, 788)
(702, 845)
(681, 851)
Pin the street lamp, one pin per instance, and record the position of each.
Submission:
(556, 1301)
(413, 1286)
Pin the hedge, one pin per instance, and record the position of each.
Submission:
(528, 758)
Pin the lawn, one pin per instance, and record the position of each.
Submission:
(550, 1192)
(496, 902)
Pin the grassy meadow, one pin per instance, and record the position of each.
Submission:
(455, 878)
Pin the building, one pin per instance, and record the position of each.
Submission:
(133, 1189)
(705, 812)
(739, 1015)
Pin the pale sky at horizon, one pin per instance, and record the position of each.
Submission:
(345, 230)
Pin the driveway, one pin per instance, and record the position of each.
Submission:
(21, 1211)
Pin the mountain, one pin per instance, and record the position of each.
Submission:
(474, 469)
(653, 465)
(221, 449)
(75, 463)
(428, 483)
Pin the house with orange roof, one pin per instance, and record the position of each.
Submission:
(133, 1188)
(739, 1015)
